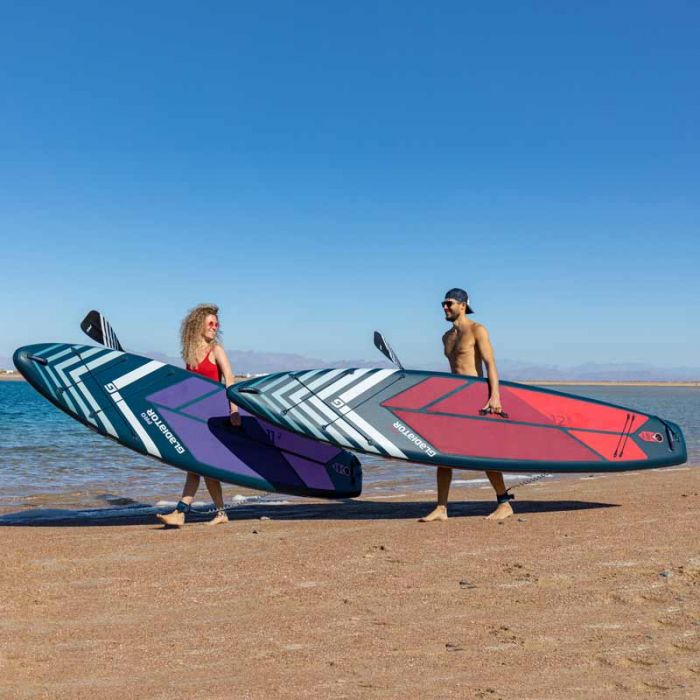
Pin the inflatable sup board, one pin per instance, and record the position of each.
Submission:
(182, 419)
(436, 418)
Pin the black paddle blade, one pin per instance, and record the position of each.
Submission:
(97, 327)
(384, 347)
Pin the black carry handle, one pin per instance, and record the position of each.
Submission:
(487, 411)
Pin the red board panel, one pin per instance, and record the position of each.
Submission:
(607, 445)
(577, 413)
(424, 393)
(497, 439)
(467, 402)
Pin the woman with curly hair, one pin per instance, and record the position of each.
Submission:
(203, 354)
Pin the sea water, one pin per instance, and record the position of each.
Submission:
(49, 459)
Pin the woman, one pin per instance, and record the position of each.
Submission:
(203, 354)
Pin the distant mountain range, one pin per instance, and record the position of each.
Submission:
(251, 362)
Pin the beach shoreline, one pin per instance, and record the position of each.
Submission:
(590, 590)
(17, 377)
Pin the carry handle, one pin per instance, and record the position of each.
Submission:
(487, 411)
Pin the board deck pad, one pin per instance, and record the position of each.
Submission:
(434, 418)
(183, 419)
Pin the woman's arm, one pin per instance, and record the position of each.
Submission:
(228, 378)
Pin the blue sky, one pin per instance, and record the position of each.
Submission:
(324, 169)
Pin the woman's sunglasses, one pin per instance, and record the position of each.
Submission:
(213, 324)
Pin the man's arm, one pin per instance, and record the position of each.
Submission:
(483, 344)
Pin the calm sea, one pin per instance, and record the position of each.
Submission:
(47, 458)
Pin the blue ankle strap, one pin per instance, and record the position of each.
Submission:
(182, 507)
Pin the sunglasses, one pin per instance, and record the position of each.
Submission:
(213, 324)
(449, 304)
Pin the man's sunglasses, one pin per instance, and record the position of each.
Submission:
(450, 304)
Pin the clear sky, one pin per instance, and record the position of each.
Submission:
(322, 169)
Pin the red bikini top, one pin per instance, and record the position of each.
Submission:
(207, 369)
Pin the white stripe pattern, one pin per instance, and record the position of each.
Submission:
(133, 422)
(367, 384)
(343, 381)
(136, 374)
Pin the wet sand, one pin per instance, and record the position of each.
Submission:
(592, 590)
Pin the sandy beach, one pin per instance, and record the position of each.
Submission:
(590, 591)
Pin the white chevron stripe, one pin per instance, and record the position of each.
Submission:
(82, 405)
(349, 378)
(296, 396)
(61, 394)
(63, 352)
(104, 359)
(87, 353)
(53, 377)
(47, 381)
(367, 384)
(48, 349)
(304, 407)
(77, 373)
(274, 382)
(277, 395)
(374, 434)
(305, 388)
(325, 377)
(138, 428)
(279, 417)
(97, 409)
(339, 437)
(136, 374)
(337, 422)
(65, 364)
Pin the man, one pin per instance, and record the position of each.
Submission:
(468, 349)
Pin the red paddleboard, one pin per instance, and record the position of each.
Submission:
(435, 418)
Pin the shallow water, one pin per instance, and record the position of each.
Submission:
(48, 459)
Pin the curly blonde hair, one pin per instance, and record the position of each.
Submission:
(191, 331)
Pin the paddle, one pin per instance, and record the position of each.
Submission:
(381, 344)
(97, 327)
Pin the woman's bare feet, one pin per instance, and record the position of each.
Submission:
(219, 519)
(439, 514)
(503, 511)
(174, 519)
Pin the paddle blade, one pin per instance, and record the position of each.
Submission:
(384, 347)
(97, 327)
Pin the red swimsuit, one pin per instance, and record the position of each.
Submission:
(207, 369)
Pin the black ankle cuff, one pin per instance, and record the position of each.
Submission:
(504, 497)
(182, 507)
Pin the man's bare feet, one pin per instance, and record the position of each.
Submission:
(439, 514)
(219, 519)
(174, 519)
(503, 511)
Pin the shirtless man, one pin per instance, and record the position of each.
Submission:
(468, 349)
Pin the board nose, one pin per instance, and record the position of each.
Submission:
(26, 360)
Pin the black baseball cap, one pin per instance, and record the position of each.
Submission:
(459, 295)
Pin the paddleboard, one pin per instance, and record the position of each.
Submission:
(182, 419)
(435, 418)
